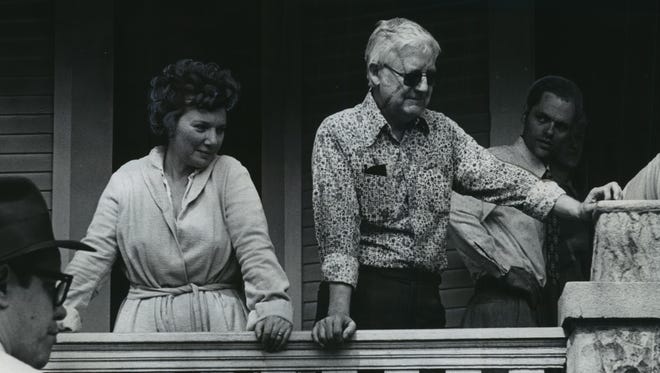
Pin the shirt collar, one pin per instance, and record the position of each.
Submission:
(157, 159)
(536, 166)
(376, 122)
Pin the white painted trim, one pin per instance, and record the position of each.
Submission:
(281, 139)
(62, 76)
(511, 60)
(293, 162)
(82, 125)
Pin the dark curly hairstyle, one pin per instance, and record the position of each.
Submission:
(188, 83)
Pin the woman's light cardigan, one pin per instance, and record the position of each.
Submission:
(194, 272)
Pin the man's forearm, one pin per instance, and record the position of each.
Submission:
(340, 298)
(567, 207)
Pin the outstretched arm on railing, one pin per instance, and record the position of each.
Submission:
(569, 208)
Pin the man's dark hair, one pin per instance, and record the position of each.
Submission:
(23, 266)
(562, 88)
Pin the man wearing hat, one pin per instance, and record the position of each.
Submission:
(32, 288)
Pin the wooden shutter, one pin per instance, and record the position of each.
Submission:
(26, 91)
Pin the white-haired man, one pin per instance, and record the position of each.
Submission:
(383, 172)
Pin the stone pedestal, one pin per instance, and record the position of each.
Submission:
(613, 322)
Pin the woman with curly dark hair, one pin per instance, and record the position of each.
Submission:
(188, 224)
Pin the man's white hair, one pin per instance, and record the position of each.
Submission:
(392, 35)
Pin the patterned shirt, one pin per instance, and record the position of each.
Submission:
(385, 203)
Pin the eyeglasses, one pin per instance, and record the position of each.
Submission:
(413, 78)
(61, 284)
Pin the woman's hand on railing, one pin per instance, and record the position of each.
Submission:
(333, 330)
(273, 332)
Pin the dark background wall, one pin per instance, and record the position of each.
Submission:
(610, 49)
(151, 34)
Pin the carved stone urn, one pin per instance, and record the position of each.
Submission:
(613, 321)
(627, 242)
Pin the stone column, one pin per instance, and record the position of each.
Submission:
(613, 321)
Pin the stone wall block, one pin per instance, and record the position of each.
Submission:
(621, 350)
(656, 354)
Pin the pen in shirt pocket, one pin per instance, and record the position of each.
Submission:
(501, 269)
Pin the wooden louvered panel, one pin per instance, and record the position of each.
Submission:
(310, 254)
(26, 47)
(25, 144)
(43, 180)
(26, 91)
(26, 67)
(24, 124)
(40, 85)
(26, 105)
(26, 162)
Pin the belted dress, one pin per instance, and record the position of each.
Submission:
(210, 268)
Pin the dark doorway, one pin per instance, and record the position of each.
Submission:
(610, 49)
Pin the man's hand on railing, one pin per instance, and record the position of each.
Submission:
(273, 332)
(609, 191)
(567, 207)
(333, 330)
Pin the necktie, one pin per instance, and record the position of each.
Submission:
(547, 175)
(551, 249)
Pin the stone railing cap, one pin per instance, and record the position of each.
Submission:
(609, 300)
(632, 205)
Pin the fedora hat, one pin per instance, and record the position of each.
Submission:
(25, 221)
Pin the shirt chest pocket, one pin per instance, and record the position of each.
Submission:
(381, 197)
(433, 189)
